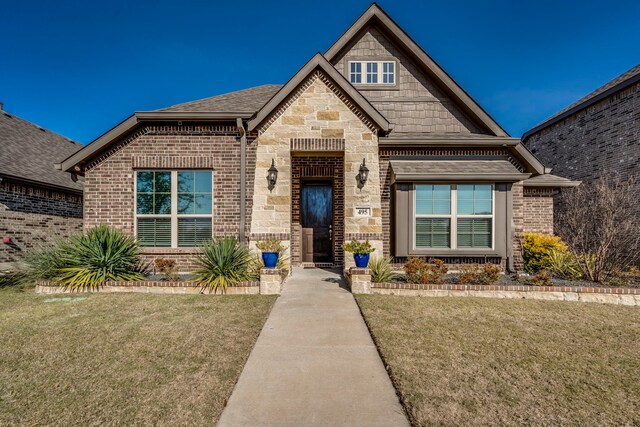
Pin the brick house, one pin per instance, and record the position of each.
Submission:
(37, 202)
(442, 177)
(597, 134)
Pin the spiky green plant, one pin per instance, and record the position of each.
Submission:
(382, 270)
(100, 255)
(222, 263)
(44, 262)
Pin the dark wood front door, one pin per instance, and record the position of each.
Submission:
(317, 213)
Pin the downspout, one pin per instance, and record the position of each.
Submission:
(510, 231)
(243, 178)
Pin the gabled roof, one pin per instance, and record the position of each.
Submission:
(375, 15)
(319, 62)
(246, 101)
(548, 180)
(621, 82)
(28, 153)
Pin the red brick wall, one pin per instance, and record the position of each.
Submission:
(33, 216)
(538, 211)
(109, 180)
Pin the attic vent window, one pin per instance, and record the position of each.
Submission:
(372, 72)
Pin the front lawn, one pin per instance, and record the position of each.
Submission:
(116, 359)
(472, 361)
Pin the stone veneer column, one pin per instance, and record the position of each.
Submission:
(317, 109)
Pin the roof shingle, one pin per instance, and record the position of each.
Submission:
(28, 152)
(241, 101)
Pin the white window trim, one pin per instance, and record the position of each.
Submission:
(453, 217)
(174, 215)
(363, 72)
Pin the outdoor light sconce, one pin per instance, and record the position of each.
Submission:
(363, 174)
(272, 176)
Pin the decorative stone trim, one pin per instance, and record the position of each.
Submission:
(155, 287)
(363, 236)
(270, 281)
(317, 144)
(270, 236)
(270, 272)
(540, 192)
(359, 280)
(621, 296)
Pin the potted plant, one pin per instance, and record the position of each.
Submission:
(270, 252)
(360, 251)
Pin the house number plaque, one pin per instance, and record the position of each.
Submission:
(363, 211)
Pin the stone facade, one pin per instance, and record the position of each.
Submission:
(604, 137)
(316, 110)
(32, 216)
(109, 179)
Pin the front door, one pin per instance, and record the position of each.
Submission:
(317, 214)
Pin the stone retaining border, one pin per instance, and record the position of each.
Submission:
(622, 296)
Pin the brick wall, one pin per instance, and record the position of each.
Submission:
(603, 137)
(33, 216)
(109, 180)
(538, 210)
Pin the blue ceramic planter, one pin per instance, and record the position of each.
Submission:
(362, 260)
(270, 259)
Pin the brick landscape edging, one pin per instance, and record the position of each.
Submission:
(622, 296)
(170, 287)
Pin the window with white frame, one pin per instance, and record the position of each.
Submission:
(372, 72)
(455, 216)
(173, 208)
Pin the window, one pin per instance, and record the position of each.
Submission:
(173, 208)
(356, 72)
(372, 72)
(454, 216)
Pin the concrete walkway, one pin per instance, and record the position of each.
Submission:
(314, 364)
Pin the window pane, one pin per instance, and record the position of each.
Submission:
(144, 204)
(185, 182)
(162, 182)
(433, 233)
(372, 72)
(193, 231)
(162, 203)
(475, 199)
(441, 207)
(424, 207)
(388, 72)
(145, 182)
(203, 204)
(433, 199)
(154, 232)
(474, 233)
(186, 204)
(203, 182)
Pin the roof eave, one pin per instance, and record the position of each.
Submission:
(42, 184)
(553, 120)
(319, 61)
(375, 11)
(460, 177)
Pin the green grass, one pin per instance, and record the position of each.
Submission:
(468, 361)
(112, 359)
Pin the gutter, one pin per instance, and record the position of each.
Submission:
(243, 178)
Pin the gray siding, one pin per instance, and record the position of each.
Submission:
(415, 104)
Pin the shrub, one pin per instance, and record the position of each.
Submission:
(564, 265)
(167, 267)
(45, 262)
(382, 270)
(469, 273)
(222, 263)
(356, 247)
(13, 278)
(102, 254)
(420, 271)
(541, 278)
(490, 274)
(273, 245)
(601, 225)
(536, 249)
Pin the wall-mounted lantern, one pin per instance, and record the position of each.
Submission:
(363, 174)
(272, 175)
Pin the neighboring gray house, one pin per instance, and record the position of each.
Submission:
(600, 133)
(37, 202)
(371, 140)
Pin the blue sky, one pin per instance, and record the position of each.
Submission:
(80, 67)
